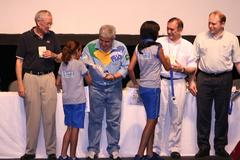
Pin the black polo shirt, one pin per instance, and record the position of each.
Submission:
(28, 51)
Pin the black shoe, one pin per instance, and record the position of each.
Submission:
(137, 157)
(28, 157)
(222, 153)
(155, 156)
(52, 157)
(111, 158)
(70, 158)
(202, 154)
(175, 155)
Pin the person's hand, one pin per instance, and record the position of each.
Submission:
(135, 85)
(109, 77)
(21, 90)
(177, 67)
(49, 54)
(167, 57)
(58, 86)
(192, 88)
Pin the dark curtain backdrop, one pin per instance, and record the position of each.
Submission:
(8, 46)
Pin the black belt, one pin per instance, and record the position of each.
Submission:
(215, 74)
(38, 73)
(168, 78)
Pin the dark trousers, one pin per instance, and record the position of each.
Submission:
(211, 88)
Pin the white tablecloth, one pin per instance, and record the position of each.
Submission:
(12, 128)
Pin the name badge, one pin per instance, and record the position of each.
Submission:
(41, 50)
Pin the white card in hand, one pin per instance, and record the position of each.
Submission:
(172, 58)
(41, 50)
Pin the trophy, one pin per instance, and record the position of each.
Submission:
(87, 60)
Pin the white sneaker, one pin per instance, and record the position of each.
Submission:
(115, 154)
(91, 154)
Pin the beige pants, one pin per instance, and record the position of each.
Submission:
(40, 103)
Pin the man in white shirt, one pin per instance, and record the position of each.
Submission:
(215, 51)
(181, 55)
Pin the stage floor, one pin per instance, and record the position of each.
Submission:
(131, 158)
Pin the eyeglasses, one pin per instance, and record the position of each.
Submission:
(46, 23)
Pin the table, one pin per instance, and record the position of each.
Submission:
(13, 127)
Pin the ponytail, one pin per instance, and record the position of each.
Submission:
(70, 49)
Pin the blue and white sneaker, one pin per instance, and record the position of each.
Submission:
(63, 158)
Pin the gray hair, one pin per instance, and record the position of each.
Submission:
(40, 14)
(108, 31)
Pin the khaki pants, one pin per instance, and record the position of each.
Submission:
(40, 102)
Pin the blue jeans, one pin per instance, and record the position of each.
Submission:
(109, 99)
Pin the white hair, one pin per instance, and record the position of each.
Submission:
(108, 31)
(40, 14)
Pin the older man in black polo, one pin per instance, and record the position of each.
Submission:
(35, 55)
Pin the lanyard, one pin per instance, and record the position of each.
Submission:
(173, 57)
(234, 95)
(172, 85)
